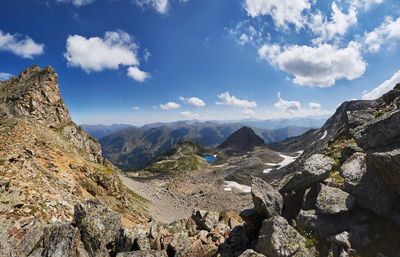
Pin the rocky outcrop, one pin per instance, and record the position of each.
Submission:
(316, 168)
(267, 201)
(35, 94)
(278, 239)
(331, 200)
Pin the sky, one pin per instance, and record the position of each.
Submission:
(145, 61)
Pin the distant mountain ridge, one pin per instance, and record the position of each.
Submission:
(99, 131)
(133, 148)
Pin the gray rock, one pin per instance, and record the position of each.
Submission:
(209, 221)
(315, 169)
(133, 238)
(35, 94)
(180, 242)
(366, 185)
(38, 252)
(251, 253)
(387, 163)
(148, 253)
(252, 219)
(98, 225)
(61, 240)
(267, 201)
(278, 239)
(343, 239)
(332, 200)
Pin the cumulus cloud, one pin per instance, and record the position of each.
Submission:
(318, 66)
(193, 101)
(366, 4)
(77, 3)
(137, 74)
(5, 76)
(136, 108)
(243, 105)
(96, 54)
(227, 99)
(388, 32)
(288, 106)
(382, 88)
(190, 115)
(314, 106)
(161, 6)
(21, 46)
(338, 24)
(283, 12)
(170, 106)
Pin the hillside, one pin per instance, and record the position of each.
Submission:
(48, 164)
(133, 148)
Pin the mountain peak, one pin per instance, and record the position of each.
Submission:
(34, 94)
(241, 141)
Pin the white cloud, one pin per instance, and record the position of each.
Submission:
(314, 106)
(190, 115)
(366, 4)
(247, 111)
(382, 88)
(388, 32)
(77, 3)
(287, 106)
(161, 6)
(243, 39)
(283, 12)
(146, 55)
(227, 99)
(136, 108)
(318, 66)
(137, 74)
(5, 76)
(16, 44)
(243, 105)
(338, 24)
(193, 101)
(96, 54)
(170, 106)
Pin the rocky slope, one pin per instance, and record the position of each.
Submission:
(48, 164)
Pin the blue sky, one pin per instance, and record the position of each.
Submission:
(143, 61)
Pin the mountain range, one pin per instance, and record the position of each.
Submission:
(133, 148)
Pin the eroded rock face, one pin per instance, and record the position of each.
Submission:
(315, 169)
(366, 185)
(278, 239)
(99, 226)
(267, 201)
(34, 93)
(61, 240)
(332, 200)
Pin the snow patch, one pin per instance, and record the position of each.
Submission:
(324, 135)
(286, 161)
(229, 185)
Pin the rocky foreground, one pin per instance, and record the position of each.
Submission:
(60, 197)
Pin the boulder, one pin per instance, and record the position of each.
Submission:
(332, 200)
(61, 240)
(315, 169)
(343, 239)
(147, 253)
(387, 163)
(208, 221)
(366, 185)
(251, 253)
(253, 220)
(278, 239)
(133, 238)
(267, 201)
(99, 226)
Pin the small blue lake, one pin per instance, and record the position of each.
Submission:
(210, 158)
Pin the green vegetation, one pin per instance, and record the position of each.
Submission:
(60, 129)
(312, 240)
(185, 163)
(381, 112)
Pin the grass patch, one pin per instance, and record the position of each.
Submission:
(312, 240)
(380, 113)
(69, 124)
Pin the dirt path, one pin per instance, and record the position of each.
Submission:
(162, 207)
